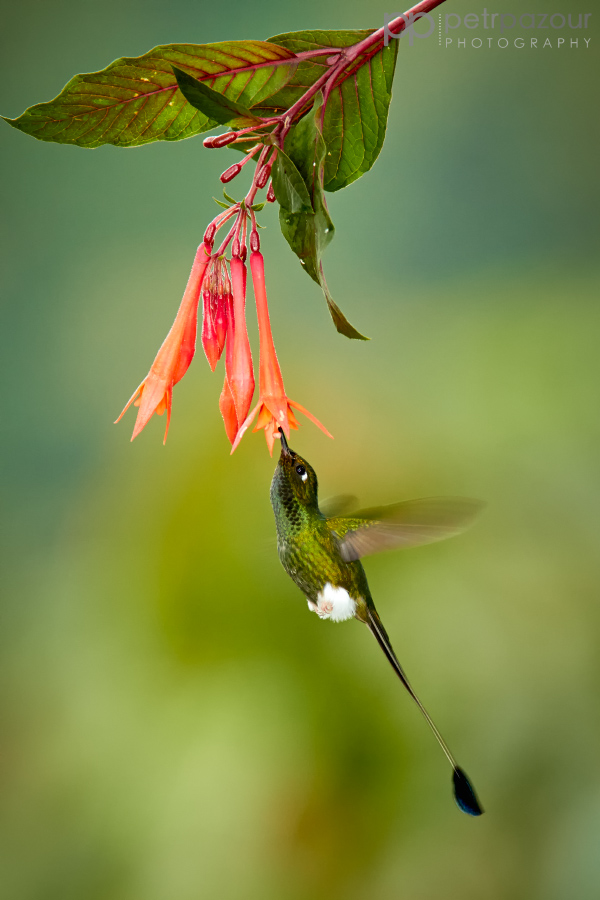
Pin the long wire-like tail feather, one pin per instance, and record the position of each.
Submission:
(464, 793)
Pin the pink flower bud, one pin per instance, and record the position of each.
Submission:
(230, 173)
(271, 194)
(263, 176)
(254, 241)
(220, 140)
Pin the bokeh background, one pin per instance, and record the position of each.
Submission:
(174, 724)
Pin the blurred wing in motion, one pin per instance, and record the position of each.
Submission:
(339, 505)
(407, 524)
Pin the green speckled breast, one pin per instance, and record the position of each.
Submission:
(308, 549)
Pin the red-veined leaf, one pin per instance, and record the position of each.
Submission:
(136, 100)
(214, 105)
(357, 108)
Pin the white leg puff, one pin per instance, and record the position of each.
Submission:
(335, 603)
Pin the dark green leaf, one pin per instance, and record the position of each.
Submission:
(339, 319)
(357, 108)
(213, 105)
(303, 215)
(306, 148)
(290, 189)
(135, 100)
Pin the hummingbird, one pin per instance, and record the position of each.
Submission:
(321, 554)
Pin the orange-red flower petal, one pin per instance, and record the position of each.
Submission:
(266, 419)
(155, 392)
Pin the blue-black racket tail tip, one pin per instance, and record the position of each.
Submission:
(464, 794)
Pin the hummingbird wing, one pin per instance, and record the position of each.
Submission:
(338, 505)
(400, 525)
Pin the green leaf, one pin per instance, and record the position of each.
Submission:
(303, 216)
(357, 108)
(136, 100)
(339, 319)
(227, 197)
(290, 190)
(220, 203)
(213, 105)
(306, 149)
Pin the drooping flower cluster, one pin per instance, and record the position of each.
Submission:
(221, 285)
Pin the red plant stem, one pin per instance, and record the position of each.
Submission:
(249, 199)
(243, 242)
(241, 220)
(236, 247)
(268, 121)
(230, 234)
(250, 154)
(370, 45)
(325, 51)
(254, 238)
(223, 217)
(237, 210)
(395, 26)
(275, 63)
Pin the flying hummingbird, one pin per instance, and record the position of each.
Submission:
(322, 554)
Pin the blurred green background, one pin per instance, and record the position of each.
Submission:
(174, 724)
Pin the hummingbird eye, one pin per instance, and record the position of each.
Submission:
(301, 472)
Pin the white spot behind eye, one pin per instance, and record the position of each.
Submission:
(305, 476)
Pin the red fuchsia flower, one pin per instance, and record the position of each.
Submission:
(239, 363)
(154, 395)
(223, 298)
(209, 332)
(238, 387)
(226, 401)
(274, 408)
(217, 289)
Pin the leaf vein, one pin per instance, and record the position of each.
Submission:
(153, 120)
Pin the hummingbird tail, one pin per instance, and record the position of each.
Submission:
(464, 793)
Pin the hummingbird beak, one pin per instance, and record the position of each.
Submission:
(285, 450)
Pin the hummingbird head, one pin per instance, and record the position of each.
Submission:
(294, 487)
